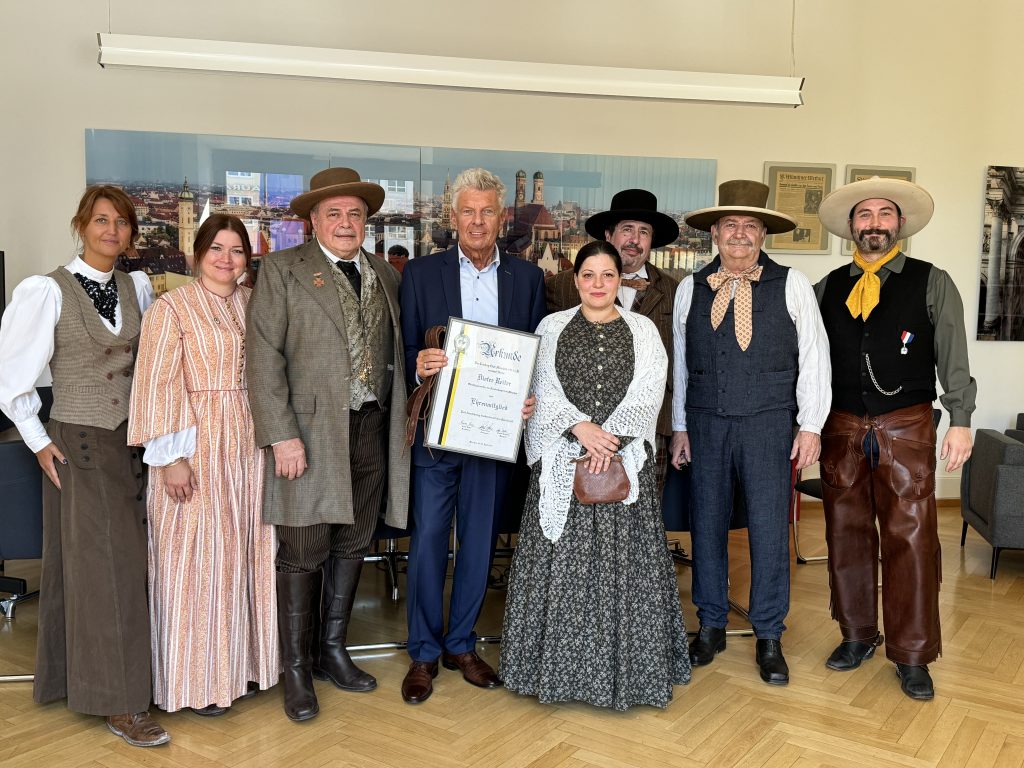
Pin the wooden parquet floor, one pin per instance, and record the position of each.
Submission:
(725, 717)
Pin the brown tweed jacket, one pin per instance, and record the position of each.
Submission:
(655, 303)
(298, 372)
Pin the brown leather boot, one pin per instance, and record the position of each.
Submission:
(297, 593)
(341, 577)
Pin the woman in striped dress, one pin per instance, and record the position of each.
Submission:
(211, 558)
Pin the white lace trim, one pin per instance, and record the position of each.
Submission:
(636, 416)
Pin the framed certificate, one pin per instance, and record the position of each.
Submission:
(478, 397)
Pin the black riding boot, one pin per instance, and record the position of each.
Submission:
(341, 577)
(297, 594)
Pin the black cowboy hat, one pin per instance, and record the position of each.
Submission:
(635, 205)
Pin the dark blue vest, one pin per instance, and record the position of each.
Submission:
(902, 307)
(728, 381)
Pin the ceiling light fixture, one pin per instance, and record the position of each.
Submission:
(218, 56)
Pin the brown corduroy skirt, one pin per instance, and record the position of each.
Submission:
(93, 645)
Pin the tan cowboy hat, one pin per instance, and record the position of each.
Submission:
(915, 204)
(334, 182)
(742, 197)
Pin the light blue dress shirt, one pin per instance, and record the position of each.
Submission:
(479, 289)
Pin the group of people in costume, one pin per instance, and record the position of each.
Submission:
(273, 423)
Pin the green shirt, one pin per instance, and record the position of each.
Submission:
(946, 311)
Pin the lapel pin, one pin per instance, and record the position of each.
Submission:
(906, 337)
(318, 280)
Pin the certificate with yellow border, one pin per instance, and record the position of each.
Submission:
(479, 395)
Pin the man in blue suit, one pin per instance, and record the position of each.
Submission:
(474, 281)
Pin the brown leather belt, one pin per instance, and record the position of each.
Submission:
(418, 405)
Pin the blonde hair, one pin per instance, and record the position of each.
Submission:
(480, 179)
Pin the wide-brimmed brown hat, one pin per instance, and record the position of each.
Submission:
(742, 197)
(635, 205)
(916, 205)
(333, 182)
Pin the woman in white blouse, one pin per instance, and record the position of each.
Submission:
(82, 321)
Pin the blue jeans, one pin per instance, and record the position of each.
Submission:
(748, 454)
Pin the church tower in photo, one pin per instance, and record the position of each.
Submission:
(186, 220)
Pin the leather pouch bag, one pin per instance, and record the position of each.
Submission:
(606, 487)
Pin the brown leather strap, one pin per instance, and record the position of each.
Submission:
(418, 405)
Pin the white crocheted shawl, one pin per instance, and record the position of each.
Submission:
(636, 416)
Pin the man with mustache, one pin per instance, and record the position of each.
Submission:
(892, 322)
(751, 358)
(326, 383)
(634, 226)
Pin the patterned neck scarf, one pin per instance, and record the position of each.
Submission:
(104, 297)
(743, 314)
(867, 291)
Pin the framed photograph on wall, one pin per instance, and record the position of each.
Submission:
(178, 179)
(797, 189)
(861, 172)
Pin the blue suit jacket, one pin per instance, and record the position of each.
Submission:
(431, 293)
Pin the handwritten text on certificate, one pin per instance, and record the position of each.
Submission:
(479, 395)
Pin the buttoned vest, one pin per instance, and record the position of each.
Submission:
(371, 338)
(92, 366)
(907, 379)
(722, 378)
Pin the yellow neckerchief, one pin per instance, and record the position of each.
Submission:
(866, 292)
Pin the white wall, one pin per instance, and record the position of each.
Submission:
(921, 83)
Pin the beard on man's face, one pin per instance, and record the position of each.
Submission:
(876, 240)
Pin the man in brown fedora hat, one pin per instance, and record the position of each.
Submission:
(634, 226)
(751, 358)
(327, 387)
(892, 323)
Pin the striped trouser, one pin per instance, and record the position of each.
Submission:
(305, 548)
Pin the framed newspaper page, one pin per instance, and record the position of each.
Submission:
(797, 189)
(479, 394)
(861, 172)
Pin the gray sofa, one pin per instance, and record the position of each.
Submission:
(992, 492)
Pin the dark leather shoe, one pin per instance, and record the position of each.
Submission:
(916, 682)
(250, 690)
(474, 669)
(418, 683)
(708, 642)
(211, 710)
(774, 669)
(851, 653)
(139, 730)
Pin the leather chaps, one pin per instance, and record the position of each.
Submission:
(883, 468)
